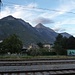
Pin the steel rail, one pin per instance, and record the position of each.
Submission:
(28, 63)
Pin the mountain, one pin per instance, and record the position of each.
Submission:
(49, 34)
(10, 25)
(28, 34)
(66, 34)
(46, 32)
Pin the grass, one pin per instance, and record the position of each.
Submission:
(24, 57)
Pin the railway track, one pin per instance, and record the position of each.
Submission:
(41, 72)
(38, 67)
(39, 62)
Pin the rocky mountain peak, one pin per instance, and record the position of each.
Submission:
(40, 25)
(66, 34)
(28, 34)
(10, 17)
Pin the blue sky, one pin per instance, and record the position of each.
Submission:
(56, 14)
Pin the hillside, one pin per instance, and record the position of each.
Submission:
(10, 25)
(46, 32)
(28, 34)
(66, 34)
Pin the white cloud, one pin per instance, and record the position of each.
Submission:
(58, 25)
(25, 12)
(30, 12)
(16, 10)
(43, 20)
(66, 7)
(68, 25)
(70, 21)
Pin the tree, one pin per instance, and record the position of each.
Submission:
(44, 51)
(71, 42)
(34, 52)
(65, 42)
(60, 45)
(40, 45)
(12, 44)
(40, 51)
(58, 49)
(59, 39)
(1, 51)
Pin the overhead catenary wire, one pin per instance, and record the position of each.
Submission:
(45, 9)
(53, 10)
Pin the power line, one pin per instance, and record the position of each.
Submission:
(10, 4)
(53, 10)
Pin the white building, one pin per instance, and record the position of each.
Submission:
(49, 46)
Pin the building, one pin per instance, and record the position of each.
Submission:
(33, 46)
(1, 41)
(49, 46)
(24, 50)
